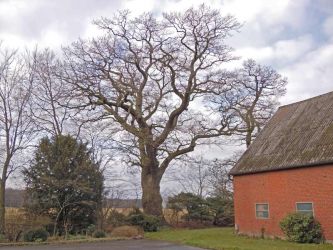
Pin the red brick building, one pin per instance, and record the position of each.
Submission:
(288, 168)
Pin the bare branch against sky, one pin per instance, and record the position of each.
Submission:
(295, 37)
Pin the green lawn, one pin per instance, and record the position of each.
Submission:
(223, 238)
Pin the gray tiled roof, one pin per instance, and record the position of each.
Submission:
(298, 135)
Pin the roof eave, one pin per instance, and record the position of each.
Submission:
(316, 164)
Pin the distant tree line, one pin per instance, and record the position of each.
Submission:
(16, 198)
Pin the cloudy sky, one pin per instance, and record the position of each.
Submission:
(295, 37)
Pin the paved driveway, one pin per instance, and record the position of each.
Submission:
(111, 245)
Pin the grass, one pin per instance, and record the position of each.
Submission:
(224, 238)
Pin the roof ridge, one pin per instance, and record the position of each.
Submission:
(306, 100)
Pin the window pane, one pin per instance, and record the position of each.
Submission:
(304, 206)
(262, 214)
(306, 212)
(261, 207)
(262, 211)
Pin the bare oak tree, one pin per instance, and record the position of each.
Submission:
(16, 130)
(253, 97)
(148, 77)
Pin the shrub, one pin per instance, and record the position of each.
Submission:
(301, 228)
(14, 231)
(222, 211)
(99, 234)
(49, 228)
(116, 219)
(91, 229)
(127, 231)
(199, 212)
(197, 207)
(3, 238)
(36, 235)
(149, 223)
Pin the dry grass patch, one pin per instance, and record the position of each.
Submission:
(128, 232)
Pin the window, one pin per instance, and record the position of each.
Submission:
(262, 211)
(304, 207)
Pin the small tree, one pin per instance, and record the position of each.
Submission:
(65, 183)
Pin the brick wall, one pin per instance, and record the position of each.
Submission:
(282, 189)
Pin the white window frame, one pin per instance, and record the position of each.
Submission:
(304, 202)
(255, 210)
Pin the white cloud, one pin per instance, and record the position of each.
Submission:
(51, 38)
(62, 20)
(279, 53)
(328, 27)
(270, 10)
(138, 7)
(310, 76)
(12, 8)
(12, 41)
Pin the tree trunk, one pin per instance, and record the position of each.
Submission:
(2, 206)
(151, 196)
(100, 216)
(248, 138)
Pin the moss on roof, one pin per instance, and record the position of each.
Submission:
(298, 135)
